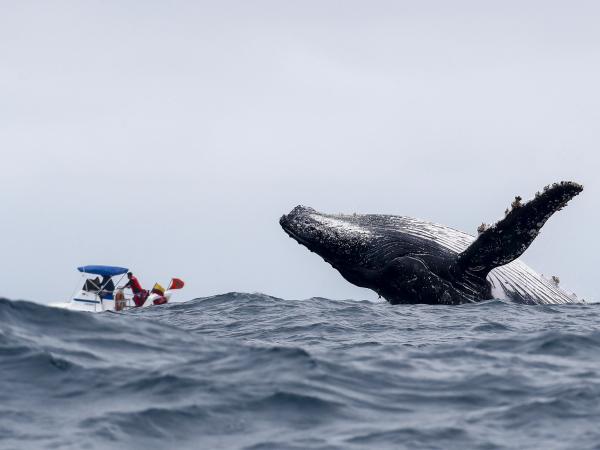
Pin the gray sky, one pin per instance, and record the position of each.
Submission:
(170, 136)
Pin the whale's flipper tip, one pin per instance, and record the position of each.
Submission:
(506, 240)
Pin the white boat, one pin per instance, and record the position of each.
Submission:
(98, 295)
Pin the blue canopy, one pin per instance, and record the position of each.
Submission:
(105, 271)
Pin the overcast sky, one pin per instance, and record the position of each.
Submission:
(169, 137)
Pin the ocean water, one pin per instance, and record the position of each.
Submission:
(249, 371)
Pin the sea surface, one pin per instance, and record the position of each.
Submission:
(250, 371)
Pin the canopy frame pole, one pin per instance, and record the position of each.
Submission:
(122, 276)
(83, 274)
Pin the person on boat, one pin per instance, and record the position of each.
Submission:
(139, 295)
(107, 287)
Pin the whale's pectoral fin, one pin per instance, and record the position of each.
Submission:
(506, 240)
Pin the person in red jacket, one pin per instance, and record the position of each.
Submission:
(139, 295)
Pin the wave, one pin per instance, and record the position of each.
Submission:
(242, 370)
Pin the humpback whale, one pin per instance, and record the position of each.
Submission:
(407, 260)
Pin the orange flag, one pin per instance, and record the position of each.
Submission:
(176, 283)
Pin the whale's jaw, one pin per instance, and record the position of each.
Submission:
(338, 239)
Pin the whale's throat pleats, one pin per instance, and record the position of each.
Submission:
(506, 240)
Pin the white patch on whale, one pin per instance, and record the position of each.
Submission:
(340, 225)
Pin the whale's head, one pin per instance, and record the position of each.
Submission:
(339, 239)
